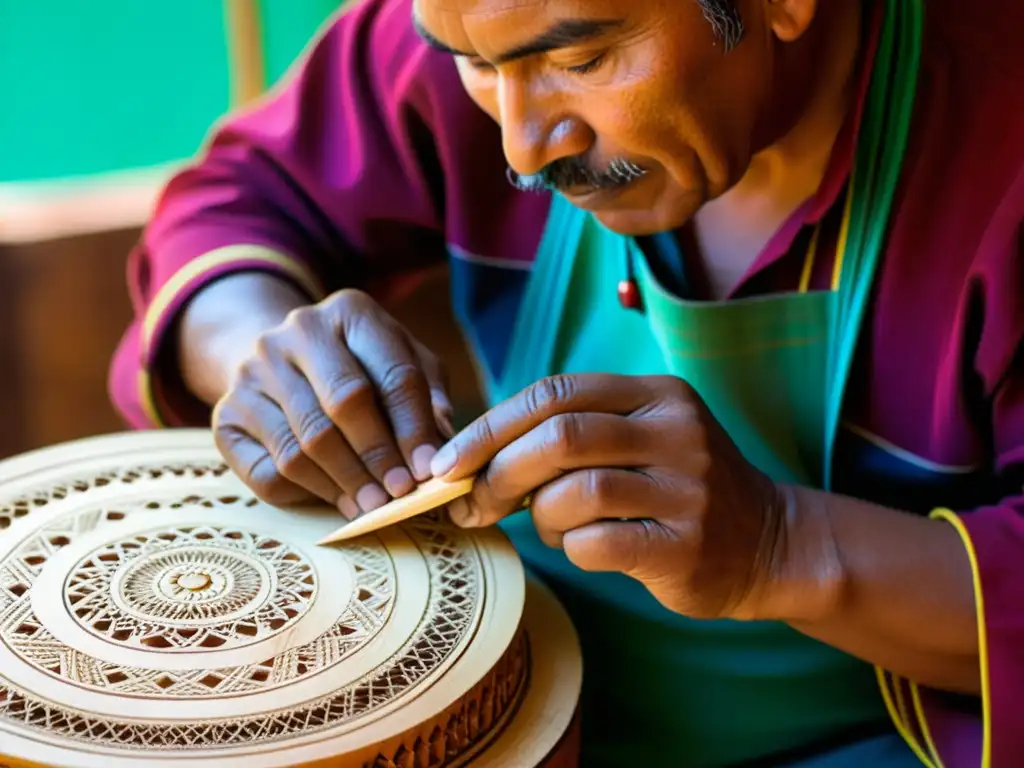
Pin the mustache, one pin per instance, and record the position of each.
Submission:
(573, 171)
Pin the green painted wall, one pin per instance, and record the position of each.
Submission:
(108, 85)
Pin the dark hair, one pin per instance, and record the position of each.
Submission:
(725, 19)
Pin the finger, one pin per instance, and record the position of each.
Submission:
(252, 463)
(478, 443)
(563, 443)
(402, 386)
(263, 420)
(630, 547)
(437, 380)
(319, 438)
(441, 404)
(592, 495)
(347, 395)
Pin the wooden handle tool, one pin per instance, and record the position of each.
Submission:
(430, 495)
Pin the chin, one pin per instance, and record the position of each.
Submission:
(663, 215)
(631, 223)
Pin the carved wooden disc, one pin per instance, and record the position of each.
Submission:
(153, 611)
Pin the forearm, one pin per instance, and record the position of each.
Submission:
(221, 323)
(904, 598)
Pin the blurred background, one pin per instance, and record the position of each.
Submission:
(102, 100)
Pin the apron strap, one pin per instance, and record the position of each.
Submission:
(532, 346)
(876, 173)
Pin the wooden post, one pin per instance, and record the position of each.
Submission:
(246, 65)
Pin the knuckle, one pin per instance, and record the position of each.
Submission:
(285, 450)
(544, 396)
(250, 375)
(268, 344)
(302, 319)
(349, 393)
(314, 428)
(566, 432)
(264, 480)
(267, 486)
(400, 381)
(599, 488)
(550, 538)
(245, 375)
(346, 301)
(480, 432)
(380, 456)
(496, 486)
(224, 421)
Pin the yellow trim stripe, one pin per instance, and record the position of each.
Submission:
(809, 259)
(148, 400)
(840, 253)
(255, 255)
(986, 689)
(922, 723)
(902, 727)
(844, 234)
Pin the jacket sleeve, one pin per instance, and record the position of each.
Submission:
(332, 171)
(953, 731)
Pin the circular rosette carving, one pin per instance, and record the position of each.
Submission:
(180, 589)
(161, 609)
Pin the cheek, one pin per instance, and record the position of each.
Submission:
(706, 121)
(481, 88)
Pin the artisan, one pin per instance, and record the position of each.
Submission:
(744, 283)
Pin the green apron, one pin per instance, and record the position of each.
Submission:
(661, 689)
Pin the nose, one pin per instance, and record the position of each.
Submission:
(537, 128)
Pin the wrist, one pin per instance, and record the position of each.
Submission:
(220, 326)
(806, 580)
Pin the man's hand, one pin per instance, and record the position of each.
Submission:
(338, 403)
(633, 474)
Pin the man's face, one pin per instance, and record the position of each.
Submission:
(633, 107)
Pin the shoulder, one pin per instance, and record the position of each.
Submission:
(954, 261)
(962, 175)
(983, 34)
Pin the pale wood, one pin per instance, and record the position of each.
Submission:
(35, 211)
(245, 46)
(428, 496)
(154, 612)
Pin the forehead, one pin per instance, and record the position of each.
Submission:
(453, 21)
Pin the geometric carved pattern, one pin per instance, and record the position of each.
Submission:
(181, 589)
(168, 583)
(152, 565)
(14, 509)
(453, 602)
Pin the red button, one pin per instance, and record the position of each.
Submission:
(629, 294)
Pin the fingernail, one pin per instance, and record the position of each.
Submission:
(371, 496)
(348, 508)
(398, 481)
(421, 461)
(460, 513)
(444, 461)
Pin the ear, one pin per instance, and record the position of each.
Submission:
(789, 19)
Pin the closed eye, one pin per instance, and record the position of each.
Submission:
(590, 66)
(480, 64)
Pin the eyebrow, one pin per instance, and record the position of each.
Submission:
(560, 35)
